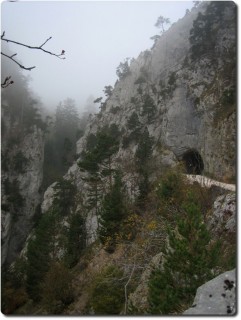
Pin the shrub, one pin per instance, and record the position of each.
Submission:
(123, 70)
(190, 259)
(113, 211)
(76, 239)
(57, 291)
(12, 299)
(107, 296)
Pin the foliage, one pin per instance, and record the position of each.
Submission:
(148, 108)
(133, 123)
(144, 149)
(76, 239)
(128, 227)
(168, 89)
(31, 116)
(12, 299)
(62, 139)
(113, 211)
(105, 145)
(123, 70)
(91, 141)
(171, 187)
(143, 156)
(23, 107)
(203, 35)
(107, 297)
(64, 196)
(161, 21)
(57, 290)
(108, 91)
(38, 255)
(13, 286)
(190, 259)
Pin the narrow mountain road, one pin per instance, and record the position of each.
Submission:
(207, 182)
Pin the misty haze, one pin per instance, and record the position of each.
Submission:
(118, 157)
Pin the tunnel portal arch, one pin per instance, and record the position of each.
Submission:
(193, 162)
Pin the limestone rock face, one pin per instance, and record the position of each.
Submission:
(216, 297)
(48, 198)
(224, 214)
(190, 101)
(25, 183)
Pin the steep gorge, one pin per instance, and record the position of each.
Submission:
(186, 103)
(173, 108)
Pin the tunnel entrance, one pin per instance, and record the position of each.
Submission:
(193, 162)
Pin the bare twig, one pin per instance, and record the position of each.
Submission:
(20, 65)
(60, 56)
(7, 82)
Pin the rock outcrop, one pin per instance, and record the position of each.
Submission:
(223, 218)
(185, 103)
(21, 195)
(216, 297)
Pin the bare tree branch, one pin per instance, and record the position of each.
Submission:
(7, 82)
(20, 65)
(60, 56)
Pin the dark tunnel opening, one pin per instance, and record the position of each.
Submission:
(193, 162)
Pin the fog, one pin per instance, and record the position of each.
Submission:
(96, 37)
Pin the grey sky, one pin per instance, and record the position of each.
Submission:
(96, 35)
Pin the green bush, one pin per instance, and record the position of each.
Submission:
(189, 261)
(57, 290)
(108, 296)
(76, 239)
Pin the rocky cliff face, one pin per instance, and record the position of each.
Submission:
(183, 92)
(22, 170)
(216, 297)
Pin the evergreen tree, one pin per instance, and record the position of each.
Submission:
(76, 239)
(108, 296)
(64, 135)
(123, 70)
(57, 289)
(65, 192)
(97, 161)
(143, 156)
(94, 191)
(112, 213)
(144, 149)
(38, 255)
(188, 263)
(133, 123)
(148, 108)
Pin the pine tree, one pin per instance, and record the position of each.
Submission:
(133, 123)
(65, 192)
(143, 156)
(148, 108)
(112, 213)
(38, 255)
(188, 264)
(76, 239)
